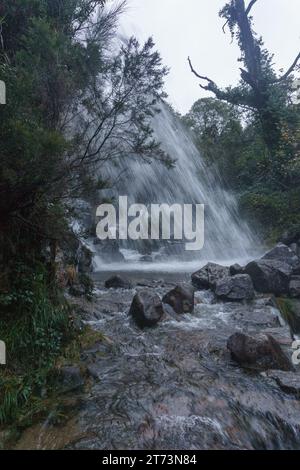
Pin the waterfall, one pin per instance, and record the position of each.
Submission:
(227, 235)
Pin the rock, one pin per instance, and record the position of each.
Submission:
(296, 269)
(70, 378)
(146, 309)
(109, 251)
(270, 275)
(260, 352)
(181, 299)
(239, 287)
(294, 248)
(236, 269)
(207, 276)
(282, 253)
(289, 382)
(292, 235)
(294, 287)
(118, 282)
(146, 259)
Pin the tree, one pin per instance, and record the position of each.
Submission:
(260, 90)
(72, 105)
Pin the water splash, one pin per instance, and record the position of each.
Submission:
(227, 235)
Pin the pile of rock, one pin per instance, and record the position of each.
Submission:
(277, 272)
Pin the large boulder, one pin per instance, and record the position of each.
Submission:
(236, 269)
(270, 276)
(239, 287)
(207, 276)
(294, 286)
(181, 299)
(260, 352)
(282, 253)
(118, 282)
(146, 309)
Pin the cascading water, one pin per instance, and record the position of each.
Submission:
(227, 236)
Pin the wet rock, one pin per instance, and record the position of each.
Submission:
(294, 286)
(207, 276)
(236, 269)
(181, 299)
(239, 287)
(109, 251)
(118, 282)
(146, 308)
(289, 382)
(270, 275)
(146, 259)
(70, 378)
(282, 253)
(260, 352)
(296, 269)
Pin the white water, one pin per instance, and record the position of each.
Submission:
(228, 237)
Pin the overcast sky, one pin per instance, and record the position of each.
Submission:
(192, 27)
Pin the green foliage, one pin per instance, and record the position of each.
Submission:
(35, 328)
(231, 141)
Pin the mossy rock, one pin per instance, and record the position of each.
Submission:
(290, 309)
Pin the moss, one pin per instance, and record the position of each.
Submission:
(290, 309)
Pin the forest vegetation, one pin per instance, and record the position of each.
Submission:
(78, 98)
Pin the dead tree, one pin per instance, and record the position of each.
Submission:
(259, 82)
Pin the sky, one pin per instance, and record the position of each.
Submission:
(183, 28)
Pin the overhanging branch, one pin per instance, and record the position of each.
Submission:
(251, 4)
(290, 70)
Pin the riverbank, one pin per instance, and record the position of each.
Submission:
(175, 386)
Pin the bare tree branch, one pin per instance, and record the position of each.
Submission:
(197, 75)
(250, 6)
(289, 71)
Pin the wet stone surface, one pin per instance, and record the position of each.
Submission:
(176, 386)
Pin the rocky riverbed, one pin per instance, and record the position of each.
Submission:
(195, 380)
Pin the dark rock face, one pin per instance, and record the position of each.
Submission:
(289, 382)
(296, 269)
(282, 253)
(294, 286)
(270, 275)
(181, 299)
(207, 276)
(118, 282)
(146, 309)
(236, 269)
(239, 287)
(259, 352)
(70, 378)
(109, 251)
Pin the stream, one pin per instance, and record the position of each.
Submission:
(175, 386)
